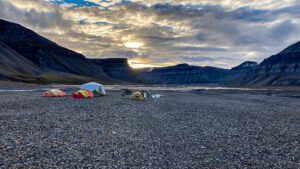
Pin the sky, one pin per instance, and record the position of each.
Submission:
(220, 33)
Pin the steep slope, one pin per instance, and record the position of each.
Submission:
(16, 68)
(183, 74)
(12, 64)
(282, 69)
(47, 54)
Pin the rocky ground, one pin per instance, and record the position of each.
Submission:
(183, 129)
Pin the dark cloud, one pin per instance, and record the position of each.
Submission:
(192, 48)
(159, 38)
(197, 59)
(119, 53)
(283, 30)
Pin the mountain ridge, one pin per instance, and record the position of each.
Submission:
(281, 69)
(182, 74)
(25, 55)
(50, 57)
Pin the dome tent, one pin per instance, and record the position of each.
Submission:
(93, 86)
(82, 93)
(137, 96)
(146, 93)
(54, 93)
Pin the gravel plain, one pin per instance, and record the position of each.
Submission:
(183, 129)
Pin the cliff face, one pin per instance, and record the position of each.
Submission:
(118, 69)
(183, 74)
(281, 69)
(286, 61)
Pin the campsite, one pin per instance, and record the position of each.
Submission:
(149, 84)
(197, 126)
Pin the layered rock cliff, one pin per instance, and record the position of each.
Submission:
(282, 69)
(183, 74)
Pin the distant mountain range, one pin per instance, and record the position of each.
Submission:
(282, 69)
(182, 74)
(28, 57)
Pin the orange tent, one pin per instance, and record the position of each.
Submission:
(82, 93)
(54, 93)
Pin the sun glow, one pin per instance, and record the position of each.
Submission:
(133, 44)
(136, 64)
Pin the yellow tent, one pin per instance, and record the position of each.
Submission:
(137, 96)
(54, 93)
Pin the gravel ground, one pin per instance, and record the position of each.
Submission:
(184, 129)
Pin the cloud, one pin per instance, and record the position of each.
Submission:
(119, 54)
(192, 48)
(231, 4)
(197, 59)
(283, 30)
(213, 32)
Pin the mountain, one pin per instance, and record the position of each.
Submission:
(183, 74)
(13, 64)
(245, 66)
(47, 57)
(188, 74)
(46, 54)
(282, 69)
(237, 74)
(16, 68)
(28, 57)
(118, 69)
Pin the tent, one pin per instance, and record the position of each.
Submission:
(82, 93)
(146, 93)
(137, 96)
(98, 93)
(126, 92)
(93, 86)
(54, 93)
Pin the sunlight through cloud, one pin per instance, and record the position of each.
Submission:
(133, 44)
